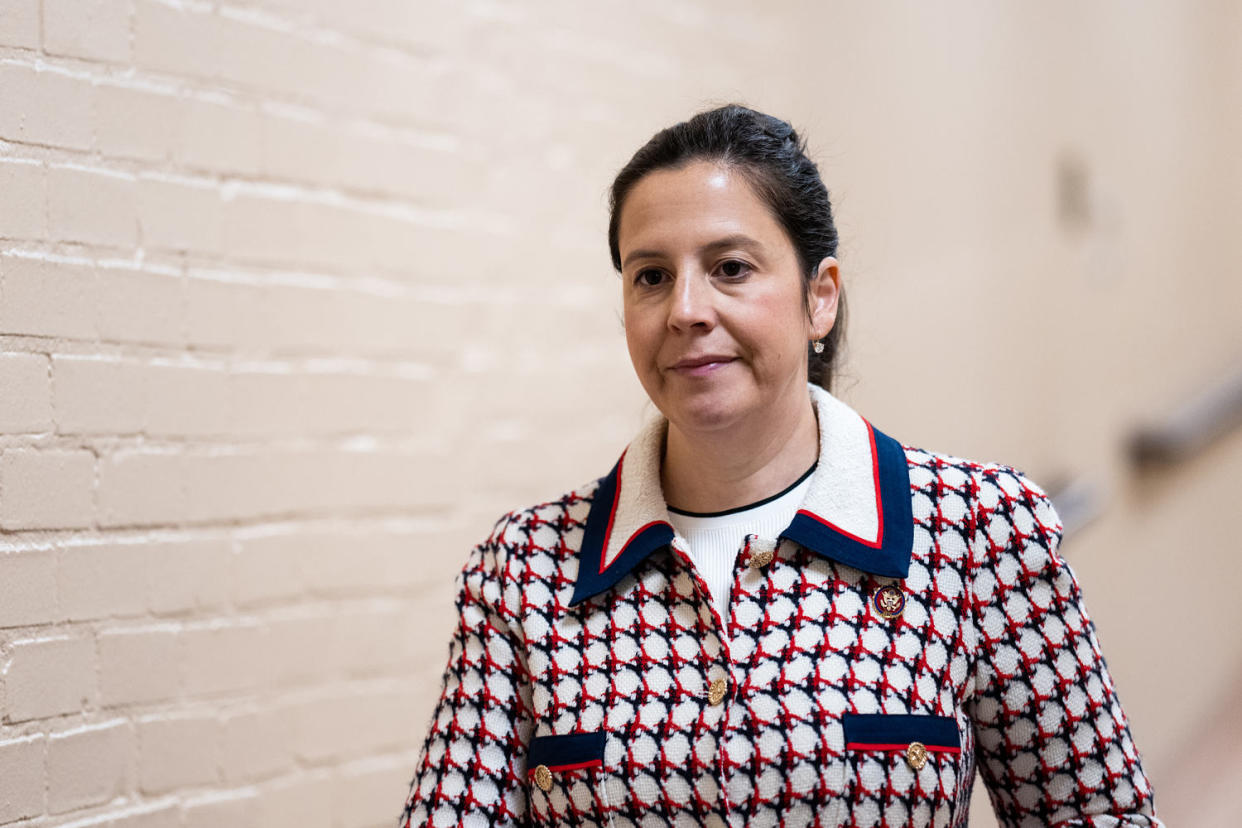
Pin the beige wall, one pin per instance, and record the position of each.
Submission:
(297, 296)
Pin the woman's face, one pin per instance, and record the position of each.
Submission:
(715, 307)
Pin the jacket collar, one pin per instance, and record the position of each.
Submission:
(857, 510)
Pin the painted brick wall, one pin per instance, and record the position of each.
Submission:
(269, 273)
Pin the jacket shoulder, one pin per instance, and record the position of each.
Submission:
(945, 470)
(551, 526)
(526, 546)
(985, 489)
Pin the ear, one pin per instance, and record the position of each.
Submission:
(822, 294)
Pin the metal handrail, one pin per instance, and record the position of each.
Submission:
(1191, 428)
(1187, 432)
(1078, 503)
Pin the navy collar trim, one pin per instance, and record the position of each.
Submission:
(857, 511)
(595, 574)
(889, 553)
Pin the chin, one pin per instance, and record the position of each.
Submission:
(704, 411)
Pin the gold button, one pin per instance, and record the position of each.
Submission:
(716, 692)
(889, 601)
(543, 778)
(916, 755)
(762, 558)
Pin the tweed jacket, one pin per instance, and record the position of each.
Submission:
(914, 622)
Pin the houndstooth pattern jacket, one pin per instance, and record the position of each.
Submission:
(912, 623)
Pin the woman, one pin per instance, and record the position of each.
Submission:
(769, 612)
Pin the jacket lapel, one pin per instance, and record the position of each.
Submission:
(628, 518)
(858, 509)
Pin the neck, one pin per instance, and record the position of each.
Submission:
(724, 469)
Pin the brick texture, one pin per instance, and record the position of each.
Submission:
(21, 23)
(88, 766)
(141, 487)
(138, 665)
(47, 106)
(141, 307)
(98, 580)
(122, 116)
(300, 801)
(22, 772)
(23, 212)
(47, 298)
(257, 744)
(46, 489)
(100, 396)
(95, 30)
(94, 206)
(177, 751)
(27, 588)
(25, 404)
(49, 676)
(231, 808)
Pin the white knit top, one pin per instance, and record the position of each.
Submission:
(714, 539)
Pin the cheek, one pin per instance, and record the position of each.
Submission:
(639, 336)
(778, 329)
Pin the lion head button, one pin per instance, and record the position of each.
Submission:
(543, 778)
(916, 755)
(889, 601)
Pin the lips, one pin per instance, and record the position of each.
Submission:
(703, 364)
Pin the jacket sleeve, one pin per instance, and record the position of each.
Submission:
(1052, 741)
(471, 767)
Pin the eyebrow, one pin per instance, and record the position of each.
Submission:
(735, 240)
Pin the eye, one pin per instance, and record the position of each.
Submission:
(734, 268)
(649, 277)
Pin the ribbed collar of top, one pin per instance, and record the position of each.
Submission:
(857, 509)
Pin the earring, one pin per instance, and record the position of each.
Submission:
(817, 347)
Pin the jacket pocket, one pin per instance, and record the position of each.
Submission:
(918, 758)
(565, 776)
(898, 732)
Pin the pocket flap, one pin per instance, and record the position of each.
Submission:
(884, 731)
(567, 751)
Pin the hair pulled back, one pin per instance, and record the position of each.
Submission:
(772, 158)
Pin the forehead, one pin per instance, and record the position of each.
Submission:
(691, 206)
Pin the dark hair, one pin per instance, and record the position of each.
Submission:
(770, 155)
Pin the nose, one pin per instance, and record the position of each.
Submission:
(690, 303)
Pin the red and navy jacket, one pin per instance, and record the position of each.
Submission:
(914, 622)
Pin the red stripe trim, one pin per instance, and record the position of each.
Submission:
(930, 748)
(604, 563)
(879, 502)
(638, 532)
(612, 515)
(594, 763)
(875, 479)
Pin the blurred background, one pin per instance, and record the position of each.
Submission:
(298, 296)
